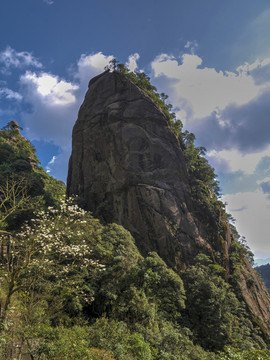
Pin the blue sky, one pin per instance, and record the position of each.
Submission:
(211, 57)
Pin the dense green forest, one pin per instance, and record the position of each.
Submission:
(74, 288)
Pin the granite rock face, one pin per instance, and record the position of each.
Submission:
(128, 167)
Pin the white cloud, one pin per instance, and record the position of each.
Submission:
(248, 68)
(252, 213)
(94, 62)
(50, 163)
(55, 102)
(89, 66)
(236, 160)
(203, 89)
(50, 88)
(10, 94)
(132, 62)
(229, 112)
(50, 2)
(11, 58)
(54, 105)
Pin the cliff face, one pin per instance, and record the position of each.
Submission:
(129, 168)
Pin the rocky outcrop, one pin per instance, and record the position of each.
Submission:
(128, 167)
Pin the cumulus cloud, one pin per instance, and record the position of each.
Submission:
(237, 161)
(11, 58)
(50, 88)
(53, 107)
(252, 211)
(53, 110)
(132, 62)
(55, 102)
(89, 66)
(228, 111)
(204, 89)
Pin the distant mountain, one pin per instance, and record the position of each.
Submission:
(264, 271)
(259, 262)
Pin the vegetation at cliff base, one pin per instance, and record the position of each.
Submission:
(73, 288)
(20, 169)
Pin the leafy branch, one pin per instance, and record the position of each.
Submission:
(13, 197)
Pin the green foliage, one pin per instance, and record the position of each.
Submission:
(205, 194)
(115, 337)
(162, 285)
(210, 306)
(18, 161)
(239, 251)
(73, 288)
(65, 266)
(201, 173)
(213, 312)
(53, 256)
(232, 353)
(65, 269)
(160, 341)
(13, 199)
(142, 287)
(61, 343)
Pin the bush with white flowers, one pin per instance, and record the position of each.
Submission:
(53, 254)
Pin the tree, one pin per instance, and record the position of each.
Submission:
(13, 198)
(213, 312)
(112, 65)
(51, 257)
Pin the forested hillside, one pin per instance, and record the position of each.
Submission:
(74, 287)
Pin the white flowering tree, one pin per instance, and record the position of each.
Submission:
(50, 274)
(51, 256)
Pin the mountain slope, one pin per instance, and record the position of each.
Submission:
(128, 167)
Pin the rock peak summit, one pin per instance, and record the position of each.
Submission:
(129, 168)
